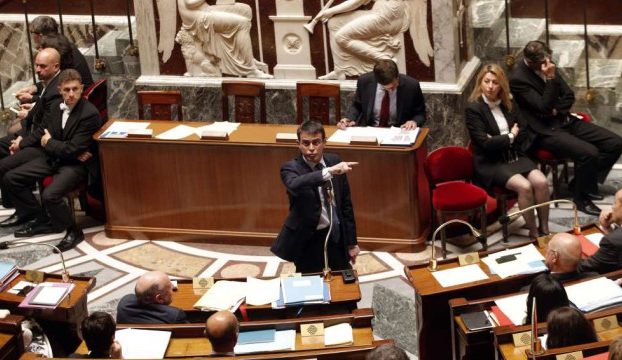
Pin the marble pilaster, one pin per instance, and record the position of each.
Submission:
(146, 36)
(445, 41)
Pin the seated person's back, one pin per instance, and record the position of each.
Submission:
(549, 294)
(97, 330)
(567, 326)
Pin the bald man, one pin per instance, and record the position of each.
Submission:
(150, 303)
(13, 151)
(609, 255)
(222, 329)
(562, 257)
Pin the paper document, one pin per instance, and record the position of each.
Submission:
(143, 344)
(460, 275)
(120, 129)
(176, 133)
(218, 126)
(262, 292)
(283, 340)
(521, 260)
(48, 295)
(399, 137)
(514, 307)
(595, 238)
(594, 294)
(340, 334)
(385, 136)
(224, 295)
(302, 289)
(256, 336)
(19, 286)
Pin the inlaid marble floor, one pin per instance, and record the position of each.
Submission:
(117, 263)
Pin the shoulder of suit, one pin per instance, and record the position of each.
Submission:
(332, 158)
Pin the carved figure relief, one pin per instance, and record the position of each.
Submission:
(215, 39)
(358, 38)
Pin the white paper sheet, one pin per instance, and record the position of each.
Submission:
(385, 136)
(514, 307)
(143, 344)
(262, 292)
(225, 126)
(595, 238)
(528, 261)
(120, 129)
(283, 340)
(459, 275)
(594, 294)
(176, 133)
(340, 334)
(224, 295)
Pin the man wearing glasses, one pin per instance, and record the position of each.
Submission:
(545, 100)
(319, 206)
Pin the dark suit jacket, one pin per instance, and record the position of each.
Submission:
(129, 311)
(35, 116)
(410, 104)
(537, 99)
(305, 207)
(608, 257)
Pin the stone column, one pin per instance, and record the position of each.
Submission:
(292, 41)
(446, 40)
(146, 37)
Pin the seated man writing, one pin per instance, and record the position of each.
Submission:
(66, 138)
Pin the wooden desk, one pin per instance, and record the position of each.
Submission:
(433, 300)
(343, 300)
(188, 340)
(61, 324)
(507, 351)
(11, 340)
(231, 191)
(479, 344)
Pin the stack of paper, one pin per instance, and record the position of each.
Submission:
(522, 260)
(514, 307)
(284, 340)
(262, 292)
(8, 272)
(594, 294)
(280, 303)
(120, 129)
(143, 344)
(46, 295)
(460, 275)
(219, 126)
(302, 289)
(256, 337)
(385, 136)
(224, 295)
(340, 334)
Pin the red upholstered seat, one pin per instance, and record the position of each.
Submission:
(449, 170)
(457, 196)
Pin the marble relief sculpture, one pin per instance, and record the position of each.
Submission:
(358, 38)
(214, 39)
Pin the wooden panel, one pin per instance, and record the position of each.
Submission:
(569, 11)
(231, 191)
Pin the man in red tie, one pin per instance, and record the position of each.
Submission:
(386, 98)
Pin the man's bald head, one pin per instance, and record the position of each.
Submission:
(47, 63)
(563, 253)
(221, 329)
(154, 287)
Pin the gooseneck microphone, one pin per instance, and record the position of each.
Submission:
(17, 244)
(504, 219)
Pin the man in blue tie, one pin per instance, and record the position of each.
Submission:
(319, 206)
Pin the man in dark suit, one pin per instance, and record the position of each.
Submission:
(545, 100)
(47, 67)
(562, 257)
(609, 255)
(66, 141)
(150, 303)
(385, 98)
(319, 206)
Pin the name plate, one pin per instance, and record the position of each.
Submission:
(364, 140)
(315, 329)
(140, 133)
(34, 276)
(200, 285)
(606, 323)
(214, 135)
(576, 355)
(521, 339)
(468, 259)
(291, 138)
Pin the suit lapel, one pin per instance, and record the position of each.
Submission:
(73, 120)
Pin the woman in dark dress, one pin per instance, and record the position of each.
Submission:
(500, 140)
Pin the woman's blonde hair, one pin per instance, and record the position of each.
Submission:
(504, 93)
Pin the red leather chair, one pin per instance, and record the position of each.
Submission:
(97, 94)
(449, 171)
(547, 161)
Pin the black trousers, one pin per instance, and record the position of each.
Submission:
(19, 182)
(5, 142)
(593, 149)
(312, 259)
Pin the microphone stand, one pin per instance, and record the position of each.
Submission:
(504, 219)
(433, 262)
(64, 274)
(328, 276)
(536, 343)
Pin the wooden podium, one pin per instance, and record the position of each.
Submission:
(230, 191)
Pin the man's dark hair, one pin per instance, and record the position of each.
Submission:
(43, 25)
(62, 45)
(387, 352)
(69, 75)
(311, 127)
(385, 71)
(536, 51)
(98, 333)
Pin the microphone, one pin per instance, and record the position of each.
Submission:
(8, 245)
(433, 262)
(504, 219)
(328, 186)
